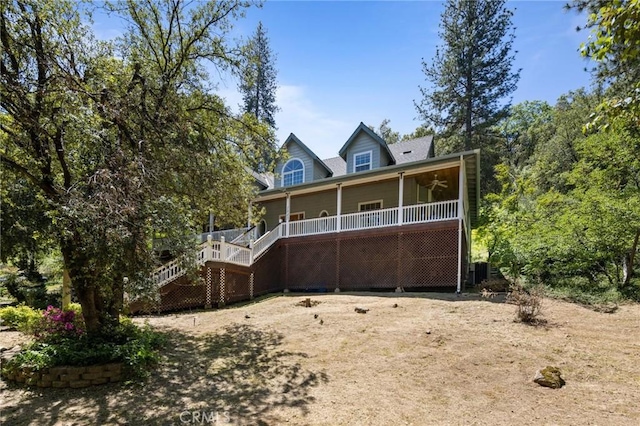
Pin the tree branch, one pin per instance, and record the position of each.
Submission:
(23, 171)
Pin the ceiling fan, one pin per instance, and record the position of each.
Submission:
(437, 183)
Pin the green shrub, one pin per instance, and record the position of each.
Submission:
(23, 318)
(136, 347)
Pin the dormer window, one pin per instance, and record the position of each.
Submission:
(293, 172)
(362, 161)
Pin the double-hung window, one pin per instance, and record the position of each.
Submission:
(362, 161)
(293, 172)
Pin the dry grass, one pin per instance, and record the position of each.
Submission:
(434, 359)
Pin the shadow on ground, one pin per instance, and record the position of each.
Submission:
(239, 376)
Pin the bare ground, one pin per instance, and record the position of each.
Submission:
(433, 359)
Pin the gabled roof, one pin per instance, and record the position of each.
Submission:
(364, 128)
(294, 138)
(260, 178)
(412, 150)
(337, 165)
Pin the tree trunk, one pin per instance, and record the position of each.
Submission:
(98, 313)
(628, 261)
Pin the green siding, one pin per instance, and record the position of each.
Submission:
(296, 152)
(273, 209)
(386, 191)
(319, 172)
(363, 143)
(313, 204)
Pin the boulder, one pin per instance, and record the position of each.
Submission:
(549, 377)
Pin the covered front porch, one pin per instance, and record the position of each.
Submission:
(412, 194)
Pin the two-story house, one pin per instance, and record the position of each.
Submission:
(377, 216)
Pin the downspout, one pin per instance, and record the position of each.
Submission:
(460, 214)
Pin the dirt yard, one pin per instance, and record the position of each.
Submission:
(433, 359)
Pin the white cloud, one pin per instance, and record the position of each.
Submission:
(320, 130)
(323, 133)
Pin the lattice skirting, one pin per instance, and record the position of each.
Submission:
(410, 257)
(374, 260)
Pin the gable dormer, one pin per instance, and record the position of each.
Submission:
(365, 150)
(301, 166)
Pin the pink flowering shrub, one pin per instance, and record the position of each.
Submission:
(58, 324)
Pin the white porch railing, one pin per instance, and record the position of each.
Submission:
(313, 226)
(430, 212)
(172, 270)
(228, 234)
(246, 237)
(369, 219)
(263, 243)
(222, 251)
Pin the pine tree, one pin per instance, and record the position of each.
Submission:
(471, 73)
(258, 81)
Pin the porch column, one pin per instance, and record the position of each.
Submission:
(460, 214)
(211, 223)
(249, 215)
(400, 198)
(287, 214)
(339, 208)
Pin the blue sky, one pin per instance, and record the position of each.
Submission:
(340, 63)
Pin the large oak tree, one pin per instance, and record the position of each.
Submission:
(123, 139)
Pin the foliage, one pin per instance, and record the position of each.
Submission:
(120, 137)
(258, 85)
(136, 347)
(57, 324)
(385, 132)
(24, 318)
(528, 125)
(26, 228)
(419, 132)
(258, 79)
(470, 74)
(28, 287)
(528, 302)
(615, 46)
(581, 222)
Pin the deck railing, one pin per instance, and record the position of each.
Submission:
(313, 226)
(369, 219)
(222, 251)
(173, 269)
(430, 212)
(227, 234)
(263, 243)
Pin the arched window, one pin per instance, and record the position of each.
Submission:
(293, 172)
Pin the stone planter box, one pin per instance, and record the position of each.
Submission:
(67, 377)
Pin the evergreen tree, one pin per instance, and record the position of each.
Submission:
(471, 73)
(385, 132)
(258, 81)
